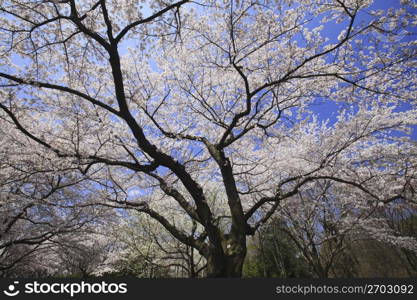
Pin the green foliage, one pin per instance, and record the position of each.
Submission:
(273, 254)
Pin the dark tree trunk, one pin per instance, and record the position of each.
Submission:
(228, 260)
(225, 266)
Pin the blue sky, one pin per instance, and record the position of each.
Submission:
(328, 110)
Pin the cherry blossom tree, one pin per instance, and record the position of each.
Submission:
(318, 221)
(326, 221)
(150, 251)
(39, 206)
(149, 101)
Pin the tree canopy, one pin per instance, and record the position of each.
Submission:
(209, 117)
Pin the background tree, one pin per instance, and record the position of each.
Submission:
(163, 96)
(272, 253)
(38, 205)
(317, 221)
(400, 255)
(152, 252)
(324, 232)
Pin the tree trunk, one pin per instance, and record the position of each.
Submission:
(227, 261)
